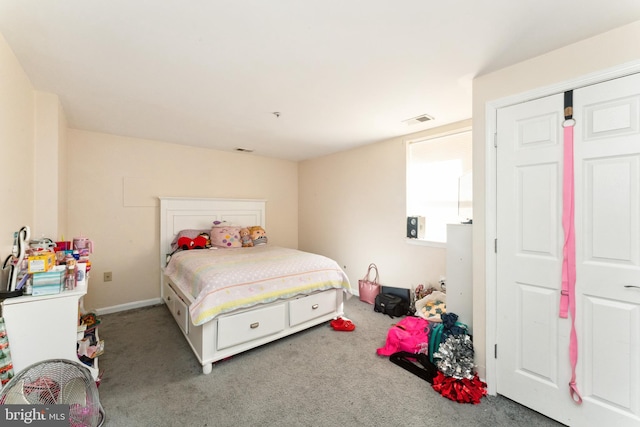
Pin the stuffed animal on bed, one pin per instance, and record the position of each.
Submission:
(202, 241)
(245, 238)
(258, 235)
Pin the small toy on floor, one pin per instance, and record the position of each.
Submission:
(342, 324)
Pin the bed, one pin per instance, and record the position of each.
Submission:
(229, 300)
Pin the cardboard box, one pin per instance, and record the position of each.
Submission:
(41, 263)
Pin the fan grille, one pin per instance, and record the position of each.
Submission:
(57, 382)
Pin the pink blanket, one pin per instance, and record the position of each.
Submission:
(222, 280)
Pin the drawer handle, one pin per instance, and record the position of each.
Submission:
(314, 306)
(178, 312)
(169, 298)
(254, 325)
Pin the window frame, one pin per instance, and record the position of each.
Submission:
(424, 138)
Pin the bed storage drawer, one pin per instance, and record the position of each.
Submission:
(242, 327)
(177, 307)
(309, 307)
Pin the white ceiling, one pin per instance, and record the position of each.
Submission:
(341, 73)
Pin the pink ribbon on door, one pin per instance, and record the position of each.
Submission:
(567, 295)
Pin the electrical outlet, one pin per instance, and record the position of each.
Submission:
(108, 276)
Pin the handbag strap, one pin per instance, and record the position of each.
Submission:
(372, 266)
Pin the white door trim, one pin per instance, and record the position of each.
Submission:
(491, 109)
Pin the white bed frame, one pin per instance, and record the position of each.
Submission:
(241, 330)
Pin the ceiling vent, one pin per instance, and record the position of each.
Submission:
(417, 120)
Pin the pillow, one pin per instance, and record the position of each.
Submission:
(226, 236)
(189, 233)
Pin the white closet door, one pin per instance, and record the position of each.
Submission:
(532, 353)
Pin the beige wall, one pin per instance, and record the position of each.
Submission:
(353, 209)
(16, 148)
(49, 146)
(33, 156)
(63, 165)
(113, 186)
(599, 53)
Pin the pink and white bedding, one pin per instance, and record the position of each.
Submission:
(222, 280)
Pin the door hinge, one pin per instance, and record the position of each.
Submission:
(495, 245)
(495, 351)
(495, 140)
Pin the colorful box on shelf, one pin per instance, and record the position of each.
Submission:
(48, 283)
(41, 263)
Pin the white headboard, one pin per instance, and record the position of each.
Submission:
(177, 213)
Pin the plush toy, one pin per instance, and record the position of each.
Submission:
(258, 235)
(200, 242)
(245, 238)
(207, 239)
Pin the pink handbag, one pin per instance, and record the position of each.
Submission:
(367, 289)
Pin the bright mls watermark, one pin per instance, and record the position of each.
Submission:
(34, 415)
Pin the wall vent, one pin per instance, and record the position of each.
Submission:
(417, 120)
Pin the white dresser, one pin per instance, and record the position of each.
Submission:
(42, 327)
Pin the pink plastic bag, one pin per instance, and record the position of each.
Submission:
(407, 335)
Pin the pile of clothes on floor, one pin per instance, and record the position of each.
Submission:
(435, 346)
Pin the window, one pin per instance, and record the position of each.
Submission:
(439, 185)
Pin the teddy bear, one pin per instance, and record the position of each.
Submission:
(258, 235)
(245, 238)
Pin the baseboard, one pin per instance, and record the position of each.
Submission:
(128, 306)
